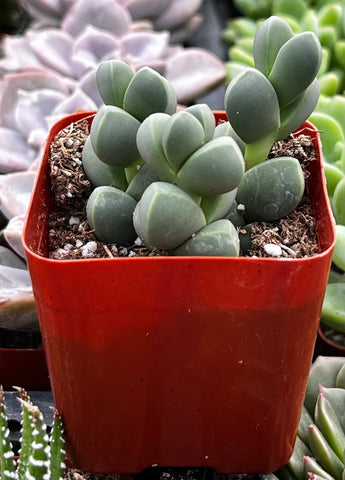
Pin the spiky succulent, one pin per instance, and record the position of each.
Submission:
(319, 450)
(41, 457)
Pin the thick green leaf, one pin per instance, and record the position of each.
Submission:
(149, 141)
(329, 424)
(182, 135)
(339, 250)
(252, 106)
(272, 189)
(148, 92)
(333, 309)
(219, 238)
(217, 206)
(110, 213)
(338, 202)
(143, 178)
(215, 168)
(224, 129)
(113, 136)
(297, 112)
(100, 173)
(324, 454)
(166, 216)
(112, 78)
(204, 114)
(270, 37)
(296, 66)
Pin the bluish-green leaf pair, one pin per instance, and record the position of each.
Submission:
(266, 103)
(175, 178)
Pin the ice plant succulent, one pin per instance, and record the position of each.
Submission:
(41, 457)
(176, 174)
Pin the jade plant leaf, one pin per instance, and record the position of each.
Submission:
(166, 216)
(217, 206)
(110, 213)
(100, 173)
(112, 78)
(215, 168)
(182, 135)
(271, 36)
(148, 92)
(252, 106)
(329, 424)
(149, 142)
(272, 189)
(296, 65)
(113, 133)
(219, 238)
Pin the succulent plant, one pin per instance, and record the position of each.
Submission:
(41, 457)
(181, 18)
(264, 104)
(320, 444)
(325, 19)
(176, 184)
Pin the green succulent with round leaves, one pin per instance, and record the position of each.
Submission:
(268, 101)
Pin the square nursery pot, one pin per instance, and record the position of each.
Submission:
(178, 361)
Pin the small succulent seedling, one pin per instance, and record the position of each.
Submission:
(41, 457)
(172, 178)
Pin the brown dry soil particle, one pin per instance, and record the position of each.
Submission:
(71, 237)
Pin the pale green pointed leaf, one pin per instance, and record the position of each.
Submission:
(113, 136)
(296, 461)
(336, 397)
(112, 78)
(166, 216)
(215, 168)
(271, 190)
(252, 106)
(330, 426)
(219, 238)
(324, 454)
(270, 37)
(109, 212)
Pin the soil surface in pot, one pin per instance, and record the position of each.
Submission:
(71, 236)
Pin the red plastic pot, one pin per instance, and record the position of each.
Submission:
(24, 367)
(326, 347)
(178, 361)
